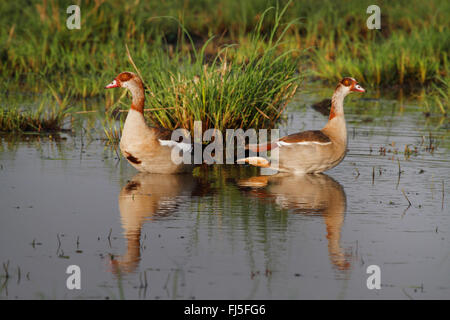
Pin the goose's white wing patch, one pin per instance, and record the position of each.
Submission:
(186, 147)
(255, 161)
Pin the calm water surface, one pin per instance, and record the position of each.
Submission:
(227, 232)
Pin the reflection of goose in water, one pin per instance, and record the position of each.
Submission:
(144, 198)
(307, 194)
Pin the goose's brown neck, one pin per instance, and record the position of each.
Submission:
(335, 128)
(337, 105)
(137, 92)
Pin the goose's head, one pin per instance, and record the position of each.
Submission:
(347, 85)
(125, 79)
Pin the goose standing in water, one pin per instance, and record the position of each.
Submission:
(312, 151)
(148, 149)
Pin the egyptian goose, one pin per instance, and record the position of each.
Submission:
(148, 149)
(312, 151)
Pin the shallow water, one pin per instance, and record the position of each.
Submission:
(225, 232)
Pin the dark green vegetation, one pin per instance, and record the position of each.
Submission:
(232, 65)
(30, 120)
(46, 116)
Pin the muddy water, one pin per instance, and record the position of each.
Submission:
(226, 232)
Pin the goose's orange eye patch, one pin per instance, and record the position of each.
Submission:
(346, 82)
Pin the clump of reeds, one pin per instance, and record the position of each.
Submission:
(439, 98)
(44, 118)
(223, 94)
(112, 130)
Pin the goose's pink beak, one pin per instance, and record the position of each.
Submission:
(113, 84)
(358, 88)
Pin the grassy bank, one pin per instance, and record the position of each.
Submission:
(411, 48)
(239, 78)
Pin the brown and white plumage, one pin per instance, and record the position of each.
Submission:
(312, 151)
(148, 149)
